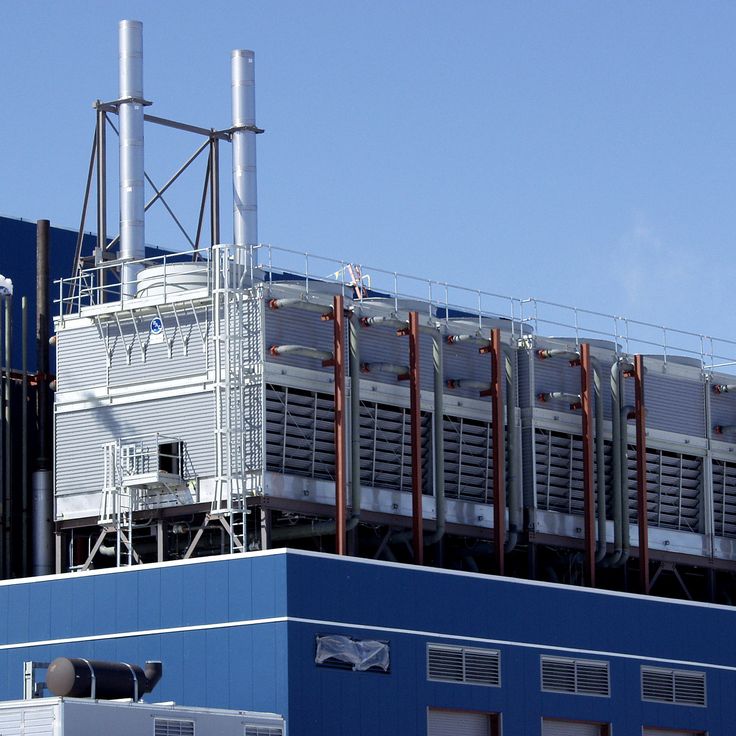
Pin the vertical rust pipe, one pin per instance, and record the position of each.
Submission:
(417, 515)
(499, 496)
(641, 472)
(338, 317)
(586, 403)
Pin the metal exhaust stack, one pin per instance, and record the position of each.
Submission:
(132, 193)
(245, 194)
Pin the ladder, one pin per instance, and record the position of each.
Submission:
(239, 393)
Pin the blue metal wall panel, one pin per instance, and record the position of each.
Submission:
(205, 621)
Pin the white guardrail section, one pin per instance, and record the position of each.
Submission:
(99, 287)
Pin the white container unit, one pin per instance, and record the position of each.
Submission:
(83, 717)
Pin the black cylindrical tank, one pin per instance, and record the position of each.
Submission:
(86, 678)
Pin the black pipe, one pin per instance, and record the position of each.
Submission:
(42, 341)
(89, 678)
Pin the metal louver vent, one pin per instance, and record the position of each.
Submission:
(463, 664)
(172, 727)
(724, 498)
(263, 731)
(575, 676)
(559, 471)
(674, 489)
(468, 459)
(681, 687)
(300, 432)
(385, 447)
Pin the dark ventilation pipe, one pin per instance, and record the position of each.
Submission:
(89, 678)
(41, 482)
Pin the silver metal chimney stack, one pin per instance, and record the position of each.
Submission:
(245, 194)
(132, 193)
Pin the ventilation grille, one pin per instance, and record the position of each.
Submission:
(559, 471)
(385, 447)
(468, 459)
(462, 664)
(724, 498)
(576, 676)
(171, 727)
(674, 483)
(300, 432)
(682, 687)
(263, 731)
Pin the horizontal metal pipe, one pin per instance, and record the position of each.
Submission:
(559, 396)
(398, 370)
(557, 353)
(468, 383)
(300, 303)
(303, 350)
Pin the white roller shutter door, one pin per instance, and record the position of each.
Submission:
(652, 732)
(569, 728)
(457, 723)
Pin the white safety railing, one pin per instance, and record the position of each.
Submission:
(442, 300)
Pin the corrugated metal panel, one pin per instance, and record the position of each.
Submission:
(569, 728)
(80, 359)
(457, 723)
(723, 406)
(296, 327)
(81, 434)
(724, 498)
(674, 404)
(157, 365)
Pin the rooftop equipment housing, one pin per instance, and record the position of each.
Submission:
(238, 400)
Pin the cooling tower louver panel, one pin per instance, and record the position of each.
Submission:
(674, 489)
(172, 727)
(724, 498)
(680, 687)
(575, 676)
(467, 665)
(468, 459)
(385, 447)
(300, 432)
(559, 471)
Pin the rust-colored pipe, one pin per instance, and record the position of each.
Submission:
(586, 404)
(641, 472)
(417, 515)
(338, 316)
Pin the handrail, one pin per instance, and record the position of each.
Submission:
(445, 301)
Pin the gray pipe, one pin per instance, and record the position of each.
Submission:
(514, 478)
(300, 303)
(623, 458)
(614, 558)
(245, 194)
(600, 460)
(130, 112)
(43, 557)
(302, 350)
(394, 368)
(439, 440)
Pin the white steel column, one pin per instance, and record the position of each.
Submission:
(132, 193)
(245, 195)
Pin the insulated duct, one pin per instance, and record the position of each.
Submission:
(132, 192)
(245, 194)
(88, 678)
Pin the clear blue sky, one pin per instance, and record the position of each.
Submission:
(581, 152)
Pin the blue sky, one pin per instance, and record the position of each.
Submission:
(579, 152)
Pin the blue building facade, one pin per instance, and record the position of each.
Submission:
(240, 632)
